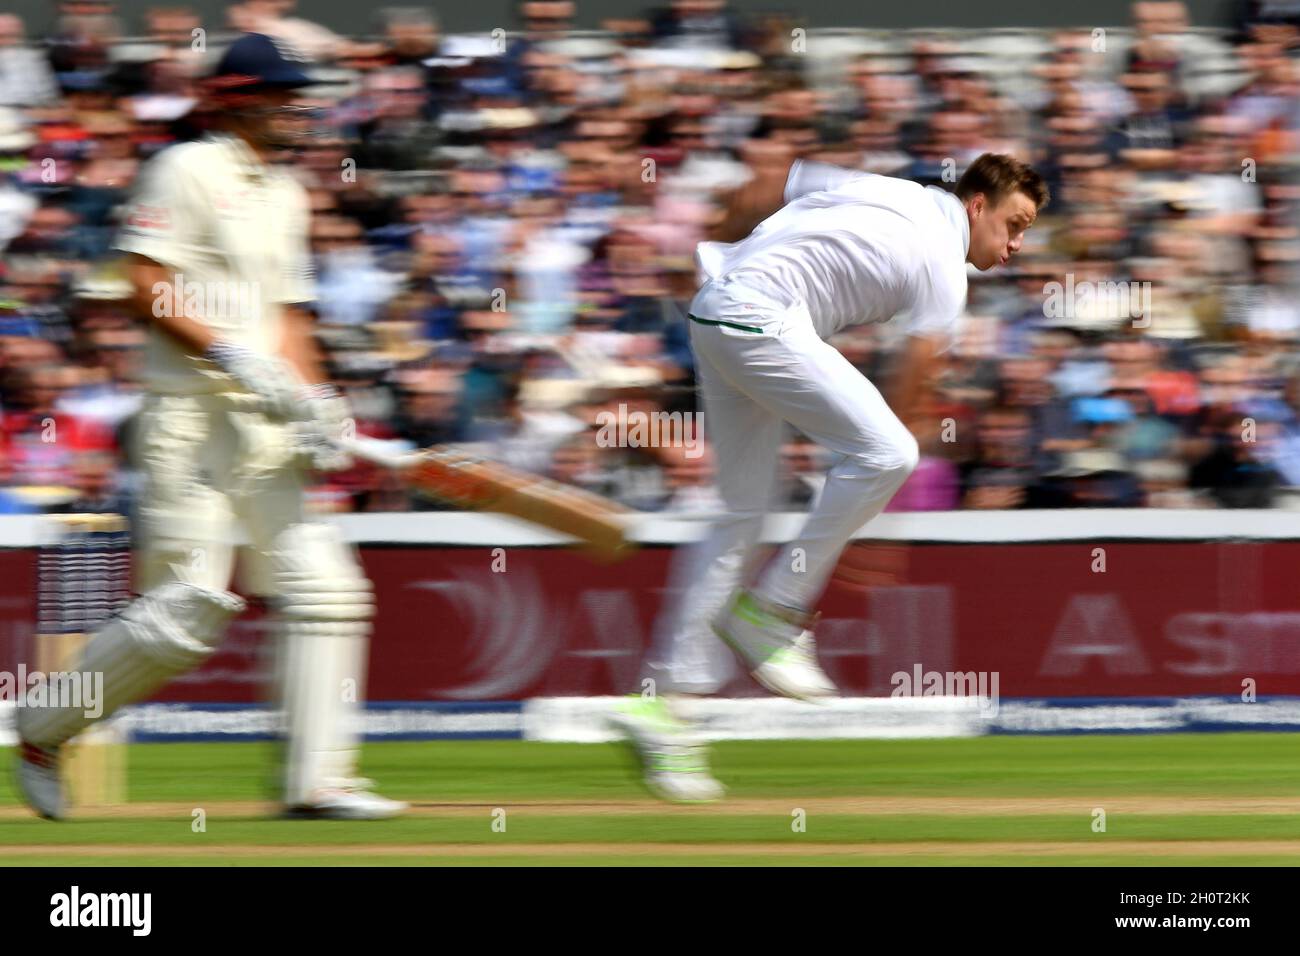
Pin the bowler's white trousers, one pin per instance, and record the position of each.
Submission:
(758, 366)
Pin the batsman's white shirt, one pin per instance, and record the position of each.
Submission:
(850, 247)
(235, 229)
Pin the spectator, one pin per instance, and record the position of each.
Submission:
(25, 75)
(1236, 472)
(504, 240)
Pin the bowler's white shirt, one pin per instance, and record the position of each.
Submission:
(850, 247)
(212, 212)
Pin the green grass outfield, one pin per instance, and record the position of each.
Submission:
(1219, 799)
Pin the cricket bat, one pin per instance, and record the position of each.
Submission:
(478, 484)
(475, 483)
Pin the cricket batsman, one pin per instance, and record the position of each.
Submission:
(237, 417)
(835, 248)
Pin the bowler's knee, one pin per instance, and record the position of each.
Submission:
(906, 455)
(897, 457)
(892, 459)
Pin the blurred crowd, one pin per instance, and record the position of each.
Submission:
(504, 226)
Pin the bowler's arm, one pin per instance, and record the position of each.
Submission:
(746, 206)
(912, 378)
(778, 179)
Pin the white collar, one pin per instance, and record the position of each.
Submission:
(955, 211)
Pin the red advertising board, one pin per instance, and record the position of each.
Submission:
(1053, 620)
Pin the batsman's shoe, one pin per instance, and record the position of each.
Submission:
(674, 765)
(40, 781)
(346, 804)
(776, 644)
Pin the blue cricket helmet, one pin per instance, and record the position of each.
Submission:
(255, 61)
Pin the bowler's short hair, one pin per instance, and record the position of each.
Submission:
(998, 176)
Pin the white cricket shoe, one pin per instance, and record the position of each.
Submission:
(40, 780)
(776, 644)
(347, 804)
(674, 765)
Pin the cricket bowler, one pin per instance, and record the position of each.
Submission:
(837, 248)
(237, 417)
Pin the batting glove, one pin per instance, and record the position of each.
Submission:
(267, 377)
(329, 418)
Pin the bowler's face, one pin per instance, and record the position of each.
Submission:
(997, 232)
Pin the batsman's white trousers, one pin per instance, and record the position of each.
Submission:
(210, 468)
(758, 366)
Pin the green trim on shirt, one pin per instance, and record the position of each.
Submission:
(730, 325)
